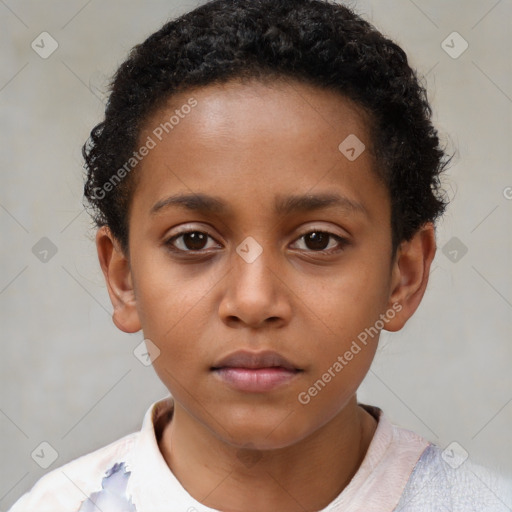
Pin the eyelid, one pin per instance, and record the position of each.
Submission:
(322, 229)
(185, 230)
(341, 239)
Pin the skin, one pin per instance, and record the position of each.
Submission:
(248, 144)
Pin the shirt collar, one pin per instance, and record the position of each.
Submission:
(153, 486)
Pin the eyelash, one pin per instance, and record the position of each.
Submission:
(341, 241)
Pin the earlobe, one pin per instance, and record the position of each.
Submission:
(118, 277)
(410, 274)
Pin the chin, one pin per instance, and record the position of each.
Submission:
(268, 432)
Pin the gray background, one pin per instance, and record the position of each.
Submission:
(69, 377)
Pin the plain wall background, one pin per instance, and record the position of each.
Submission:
(69, 377)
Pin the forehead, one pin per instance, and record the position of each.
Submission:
(256, 141)
(251, 108)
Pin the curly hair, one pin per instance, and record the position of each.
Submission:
(318, 42)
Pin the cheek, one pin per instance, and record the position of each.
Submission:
(169, 296)
(340, 363)
(349, 305)
(330, 387)
(352, 298)
(172, 310)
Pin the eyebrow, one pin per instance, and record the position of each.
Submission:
(284, 205)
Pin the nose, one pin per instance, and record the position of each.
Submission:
(256, 293)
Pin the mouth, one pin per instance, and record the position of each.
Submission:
(255, 371)
(255, 361)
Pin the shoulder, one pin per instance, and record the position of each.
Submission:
(66, 487)
(448, 480)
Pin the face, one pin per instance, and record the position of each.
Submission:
(259, 254)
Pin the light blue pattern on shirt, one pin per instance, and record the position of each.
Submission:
(112, 497)
(434, 486)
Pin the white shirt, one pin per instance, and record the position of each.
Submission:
(401, 472)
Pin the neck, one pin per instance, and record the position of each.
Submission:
(305, 476)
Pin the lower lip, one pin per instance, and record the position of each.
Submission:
(256, 380)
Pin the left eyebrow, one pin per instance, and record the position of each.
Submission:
(284, 205)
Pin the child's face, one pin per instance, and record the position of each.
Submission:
(305, 298)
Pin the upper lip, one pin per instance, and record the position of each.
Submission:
(254, 360)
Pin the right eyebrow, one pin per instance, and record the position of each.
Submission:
(193, 202)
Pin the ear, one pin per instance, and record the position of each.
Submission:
(117, 272)
(410, 273)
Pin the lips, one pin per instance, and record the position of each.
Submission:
(255, 360)
(255, 371)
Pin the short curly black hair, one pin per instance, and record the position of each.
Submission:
(317, 42)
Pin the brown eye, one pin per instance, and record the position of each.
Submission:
(189, 241)
(317, 240)
(320, 241)
(195, 240)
